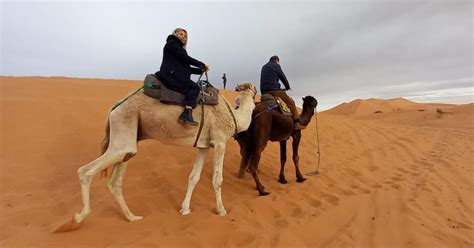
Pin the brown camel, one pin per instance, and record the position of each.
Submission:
(271, 125)
(141, 117)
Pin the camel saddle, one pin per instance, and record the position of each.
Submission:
(275, 103)
(154, 88)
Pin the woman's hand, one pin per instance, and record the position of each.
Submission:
(205, 68)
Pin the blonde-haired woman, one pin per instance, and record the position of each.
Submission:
(176, 69)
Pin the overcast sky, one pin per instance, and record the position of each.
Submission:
(337, 51)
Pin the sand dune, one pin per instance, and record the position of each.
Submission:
(370, 106)
(399, 178)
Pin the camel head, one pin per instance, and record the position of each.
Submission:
(247, 86)
(309, 102)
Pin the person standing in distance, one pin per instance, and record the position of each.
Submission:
(224, 80)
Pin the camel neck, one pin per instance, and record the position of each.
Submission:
(306, 116)
(244, 113)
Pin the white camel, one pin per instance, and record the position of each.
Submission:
(141, 117)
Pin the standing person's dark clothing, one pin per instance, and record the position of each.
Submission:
(271, 73)
(175, 70)
(269, 84)
(224, 80)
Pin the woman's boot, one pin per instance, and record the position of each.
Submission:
(187, 117)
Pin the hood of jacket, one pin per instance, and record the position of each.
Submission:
(174, 38)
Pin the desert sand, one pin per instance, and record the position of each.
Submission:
(393, 173)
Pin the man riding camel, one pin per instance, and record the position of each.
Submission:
(269, 84)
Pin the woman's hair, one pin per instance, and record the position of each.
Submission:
(177, 30)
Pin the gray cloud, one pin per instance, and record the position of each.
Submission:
(334, 50)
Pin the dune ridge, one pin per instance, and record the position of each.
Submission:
(400, 178)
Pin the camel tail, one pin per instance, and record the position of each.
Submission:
(105, 146)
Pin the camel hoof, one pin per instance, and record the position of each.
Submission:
(263, 193)
(78, 218)
(185, 211)
(135, 218)
(283, 181)
(300, 180)
(222, 212)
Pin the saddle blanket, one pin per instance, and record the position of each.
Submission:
(277, 102)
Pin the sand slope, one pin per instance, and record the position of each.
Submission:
(399, 178)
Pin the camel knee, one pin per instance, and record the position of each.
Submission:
(111, 186)
(81, 171)
(115, 182)
(296, 159)
(217, 180)
(194, 179)
(114, 185)
(83, 175)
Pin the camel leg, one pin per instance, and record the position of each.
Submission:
(245, 158)
(243, 155)
(296, 158)
(254, 161)
(193, 179)
(115, 187)
(282, 178)
(217, 178)
(86, 173)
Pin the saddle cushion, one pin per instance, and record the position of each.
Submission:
(154, 88)
(275, 102)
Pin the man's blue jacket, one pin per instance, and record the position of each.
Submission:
(271, 73)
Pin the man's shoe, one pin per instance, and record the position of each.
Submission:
(187, 117)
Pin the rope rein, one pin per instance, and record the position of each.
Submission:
(318, 152)
(317, 138)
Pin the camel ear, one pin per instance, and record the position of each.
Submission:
(244, 86)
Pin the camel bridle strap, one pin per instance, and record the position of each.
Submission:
(231, 113)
